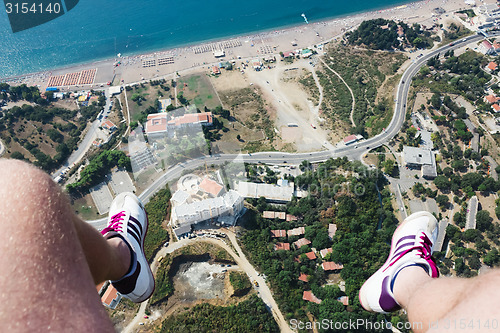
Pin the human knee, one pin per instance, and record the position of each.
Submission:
(27, 193)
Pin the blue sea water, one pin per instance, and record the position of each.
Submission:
(97, 29)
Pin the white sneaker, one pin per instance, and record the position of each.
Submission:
(412, 245)
(128, 220)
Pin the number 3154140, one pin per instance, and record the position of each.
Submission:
(26, 8)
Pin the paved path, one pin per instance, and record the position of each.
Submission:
(263, 290)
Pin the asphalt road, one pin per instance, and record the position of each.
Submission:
(353, 151)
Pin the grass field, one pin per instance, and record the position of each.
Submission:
(198, 90)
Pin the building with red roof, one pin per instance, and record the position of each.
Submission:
(492, 66)
(304, 277)
(350, 139)
(156, 124)
(108, 125)
(278, 233)
(311, 255)
(211, 187)
(282, 246)
(309, 296)
(191, 119)
(111, 298)
(215, 70)
(331, 266)
(496, 108)
(290, 218)
(491, 99)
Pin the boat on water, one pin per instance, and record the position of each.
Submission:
(305, 18)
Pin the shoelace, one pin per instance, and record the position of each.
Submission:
(424, 251)
(115, 224)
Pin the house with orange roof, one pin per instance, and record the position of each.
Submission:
(290, 218)
(311, 255)
(111, 297)
(492, 66)
(491, 99)
(282, 246)
(108, 125)
(304, 277)
(301, 242)
(309, 296)
(156, 124)
(215, 70)
(278, 233)
(211, 187)
(495, 107)
(331, 266)
(190, 119)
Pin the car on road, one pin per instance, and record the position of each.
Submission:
(314, 127)
(256, 284)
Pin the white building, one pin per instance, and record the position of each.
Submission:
(229, 204)
(282, 192)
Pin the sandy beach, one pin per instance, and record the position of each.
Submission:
(169, 63)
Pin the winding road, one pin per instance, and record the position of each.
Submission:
(353, 152)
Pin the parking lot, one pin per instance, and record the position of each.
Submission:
(102, 197)
(120, 182)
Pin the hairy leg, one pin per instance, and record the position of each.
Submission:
(50, 259)
(449, 304)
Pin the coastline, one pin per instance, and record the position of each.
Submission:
(255, 44)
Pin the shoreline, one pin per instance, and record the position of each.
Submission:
(270, 41)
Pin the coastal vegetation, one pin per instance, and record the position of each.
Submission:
(382, 34)
(368, 75)
(340, 192)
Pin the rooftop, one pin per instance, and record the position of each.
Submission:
(282, 246)
(301, 242)
(304, 277)
(296, 232)
(269, 191)
(210, 186)
(278, 233)
(311, 255)
(419, 156)
(331, 266)
(324, 252)
(309, 296)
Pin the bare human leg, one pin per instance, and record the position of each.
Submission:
(449, 304)
(50, 259)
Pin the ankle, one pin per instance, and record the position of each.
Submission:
(123, 258)
(407, 282)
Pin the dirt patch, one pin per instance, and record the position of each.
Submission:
(230, 80)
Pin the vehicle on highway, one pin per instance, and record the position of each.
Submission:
(256, 283)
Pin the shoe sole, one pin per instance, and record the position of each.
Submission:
(362, 295)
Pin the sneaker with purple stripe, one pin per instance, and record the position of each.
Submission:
(412, 245)
(128, 220)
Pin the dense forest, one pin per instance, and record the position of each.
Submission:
(343, 193)
(248, 316)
